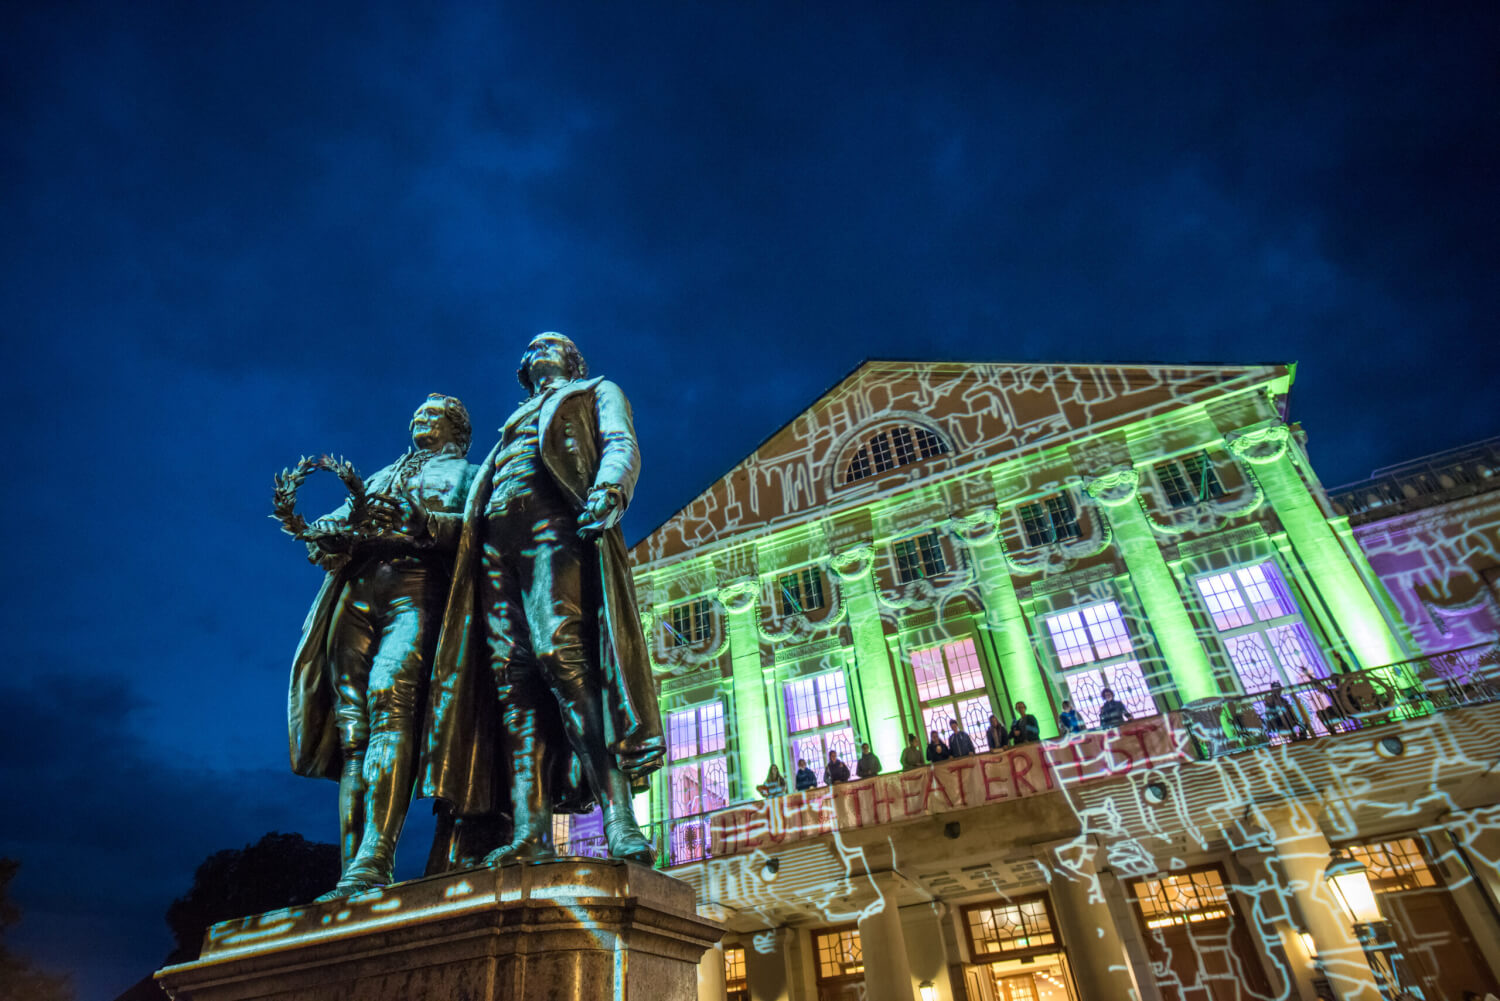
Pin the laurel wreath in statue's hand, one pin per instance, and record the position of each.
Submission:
(284, 497)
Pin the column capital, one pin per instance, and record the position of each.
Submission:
(1259, 444)
(981, 525)
(1115, 486)
(738, 596)
(853, 562)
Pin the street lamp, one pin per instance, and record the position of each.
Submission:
(1350, 881)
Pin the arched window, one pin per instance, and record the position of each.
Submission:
(890, 447)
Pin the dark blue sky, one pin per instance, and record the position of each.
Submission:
(237, 233)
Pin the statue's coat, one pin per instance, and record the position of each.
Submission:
(586, 439)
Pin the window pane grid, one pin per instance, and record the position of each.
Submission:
(1395, 865)
(1006, 928)
(890, 448)
(1224, 601)
(1070, 639)
(734, 968)
(932, 680)
(963, 666)
(839, 954)
(1093, 633)
(1181, 899)
(1267, 640)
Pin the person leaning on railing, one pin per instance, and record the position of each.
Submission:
(774, 785)
(806, 777)
(911, 755)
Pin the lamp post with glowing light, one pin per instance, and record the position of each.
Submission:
(1349, 881)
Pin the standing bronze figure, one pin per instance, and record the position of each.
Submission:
(361, 671)
(542, 668)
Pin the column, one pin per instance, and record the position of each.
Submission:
(1467, 893)
(1116, 492)
(752, 744)
(1302, 854)
(1004, 620)
(877, 682)
(711, 985)
(1090, 925)
(883, 943)
(1266, 451)
(768, 957)
(1263, 903)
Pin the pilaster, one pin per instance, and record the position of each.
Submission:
(1116, 492)
(752, 734)
(1004, 621)
(1265, 449)
(854, 568)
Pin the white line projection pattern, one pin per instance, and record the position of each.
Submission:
(1126, 491)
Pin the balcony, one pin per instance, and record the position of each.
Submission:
(1356, 701)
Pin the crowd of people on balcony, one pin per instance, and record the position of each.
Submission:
(957, 743)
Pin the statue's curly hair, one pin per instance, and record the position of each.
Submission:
(577, 367)
(458, 416)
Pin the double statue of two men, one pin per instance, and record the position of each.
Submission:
(476, 638)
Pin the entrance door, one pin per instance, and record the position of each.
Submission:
(1198, 943)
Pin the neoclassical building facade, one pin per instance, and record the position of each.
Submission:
(932, 544)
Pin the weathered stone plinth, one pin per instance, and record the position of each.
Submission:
(575, 929)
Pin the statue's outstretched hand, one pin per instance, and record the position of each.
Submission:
(602, 511)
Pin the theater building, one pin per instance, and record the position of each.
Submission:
(1298, 803)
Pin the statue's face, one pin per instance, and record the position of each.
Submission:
(546, 357)
(430, 427)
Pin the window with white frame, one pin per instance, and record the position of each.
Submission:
(1188, 480)
(950, 685)
(817, 717)
(890, 448)
(1051, 519)
(800, 592)
(1095, 652)
(688, 623)
(919, 556)
(698, 776)
(1261, 627)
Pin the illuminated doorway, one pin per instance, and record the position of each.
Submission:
(1016, 951)
(1200, 946)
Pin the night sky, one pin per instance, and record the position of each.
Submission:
(237, 233)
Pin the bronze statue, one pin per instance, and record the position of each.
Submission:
(542, 669)
(360, 674)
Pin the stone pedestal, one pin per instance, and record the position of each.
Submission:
(575, 929)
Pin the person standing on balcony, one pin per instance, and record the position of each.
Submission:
(836, 771)
(1070, 720)
(960, 744)
(869, 765)
(936, 749)
(774, 785)
(995, 734)
(806, 777)
(1112, 711)
(911, 755)
(1024, 729)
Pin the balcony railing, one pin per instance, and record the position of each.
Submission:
(1342, 703)
(1438, 478)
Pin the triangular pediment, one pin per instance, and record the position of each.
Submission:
(980, 412)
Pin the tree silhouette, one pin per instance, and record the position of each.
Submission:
(19, 980)
(279, 870)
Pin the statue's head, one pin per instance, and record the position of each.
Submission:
(551, 349)
(442, 419)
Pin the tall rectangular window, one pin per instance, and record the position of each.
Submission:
(918, 557)
(800, 592)
(1261, 627)
(698, 777)
(736, 980)
(950, 685)
(1182, 898)
(817, 717)
(688, 623)
(1051, 519)
(1096, 652)
(1188, 480)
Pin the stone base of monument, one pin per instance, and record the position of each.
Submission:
(571, 929)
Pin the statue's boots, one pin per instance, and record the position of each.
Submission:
(531, 838)
(583, 718)
(388, 764)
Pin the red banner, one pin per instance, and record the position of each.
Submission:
(1016, 773)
